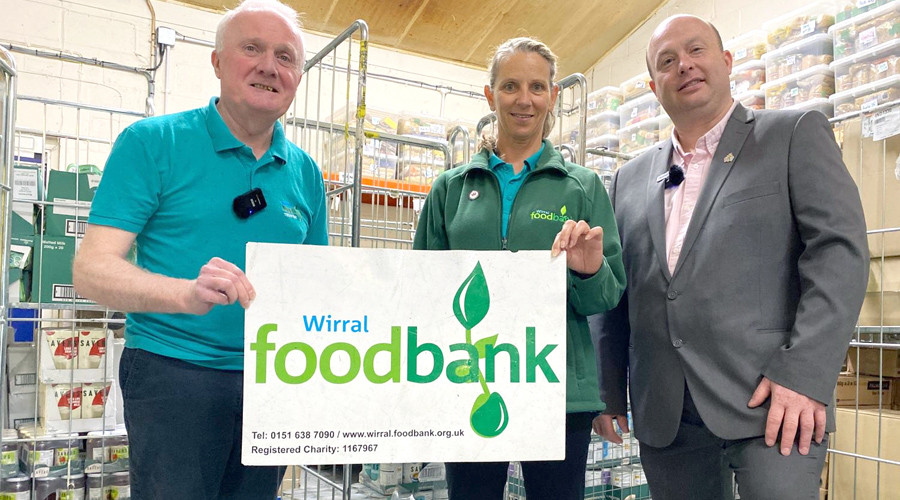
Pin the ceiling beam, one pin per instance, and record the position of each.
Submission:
(330, 11)
(493, 23)
(412, 21)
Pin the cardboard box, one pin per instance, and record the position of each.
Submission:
(19, 273)
(61, 407)
(872, 166)
(76, 356)
(74, 190)
(874, 361)
(882, 302)
(28, 187)
(867, 391)
(871, 433)
(21, 385)
(895, 394)
(52, 272)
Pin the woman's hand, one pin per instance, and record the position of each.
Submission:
(583, 246)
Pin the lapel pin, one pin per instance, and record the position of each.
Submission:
(473, 194)
(728, 158)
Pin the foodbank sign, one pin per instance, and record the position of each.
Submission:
(374, 355)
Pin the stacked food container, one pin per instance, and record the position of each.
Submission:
(638, 116)
(866, 59)
(798, 75)
(748, 72)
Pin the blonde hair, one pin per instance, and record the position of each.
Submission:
(501, 54)
(274, 6)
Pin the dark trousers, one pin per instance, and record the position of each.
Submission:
(184, 432)
(544, 480)
(699, 466)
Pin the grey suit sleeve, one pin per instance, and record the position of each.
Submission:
(833, 265)
(611, 333)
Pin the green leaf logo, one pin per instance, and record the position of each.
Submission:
(483, 343)
(489, 415)
(472, 300)
(562, 211)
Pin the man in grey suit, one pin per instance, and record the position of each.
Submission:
(745, 252)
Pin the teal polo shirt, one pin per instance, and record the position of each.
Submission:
(510, 182)
(171, 181)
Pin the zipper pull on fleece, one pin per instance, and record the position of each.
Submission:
(503, 244)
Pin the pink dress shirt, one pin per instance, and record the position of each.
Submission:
(681, 200)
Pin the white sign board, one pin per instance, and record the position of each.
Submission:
(374, 355)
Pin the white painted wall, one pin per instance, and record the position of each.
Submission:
(119, 31)
(731, 17)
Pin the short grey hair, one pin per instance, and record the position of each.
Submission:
(274, 6)
(503, 52)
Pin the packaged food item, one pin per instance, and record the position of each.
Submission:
(749, 76)
(91, 347)
(753, 99)
(63, 346)
(636, 86)
(747, 47)
(866, 68)
(9, 460)
(602, 124)
(114, 485)
(815, 83)
(807, 21)
(637, 110)
(604, 99)
(69, 487)
(814, 51)
(877, 24)
(638, 137)
(855, 8)
(15, 488)
(876, 98)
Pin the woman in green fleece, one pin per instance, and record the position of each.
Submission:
(518, 193)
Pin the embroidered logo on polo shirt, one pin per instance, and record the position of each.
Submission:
(550, 215)
(290, 211)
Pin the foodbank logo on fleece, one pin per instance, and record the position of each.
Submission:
(550, 216)
(488, 416)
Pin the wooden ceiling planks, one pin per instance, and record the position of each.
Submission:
(466, 31)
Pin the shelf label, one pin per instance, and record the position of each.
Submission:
(808, 27)
(740, 54)
(883, 124)
(25, 184)
(864, 3)
(867, 38)
(868, 105)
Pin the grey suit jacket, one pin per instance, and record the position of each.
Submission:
(769, 282)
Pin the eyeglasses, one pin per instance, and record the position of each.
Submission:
(674, 177)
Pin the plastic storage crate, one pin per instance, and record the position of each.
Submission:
(812, 19)
(635, 87)
(747, 47)
(814, 83)
(748, 76)
(638, 110)
(799, 56)
(866, 31)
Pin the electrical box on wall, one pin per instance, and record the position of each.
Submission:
(165, 36)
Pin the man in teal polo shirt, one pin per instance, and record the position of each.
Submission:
(191, 189)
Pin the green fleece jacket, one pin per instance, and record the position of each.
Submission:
(463, 212)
